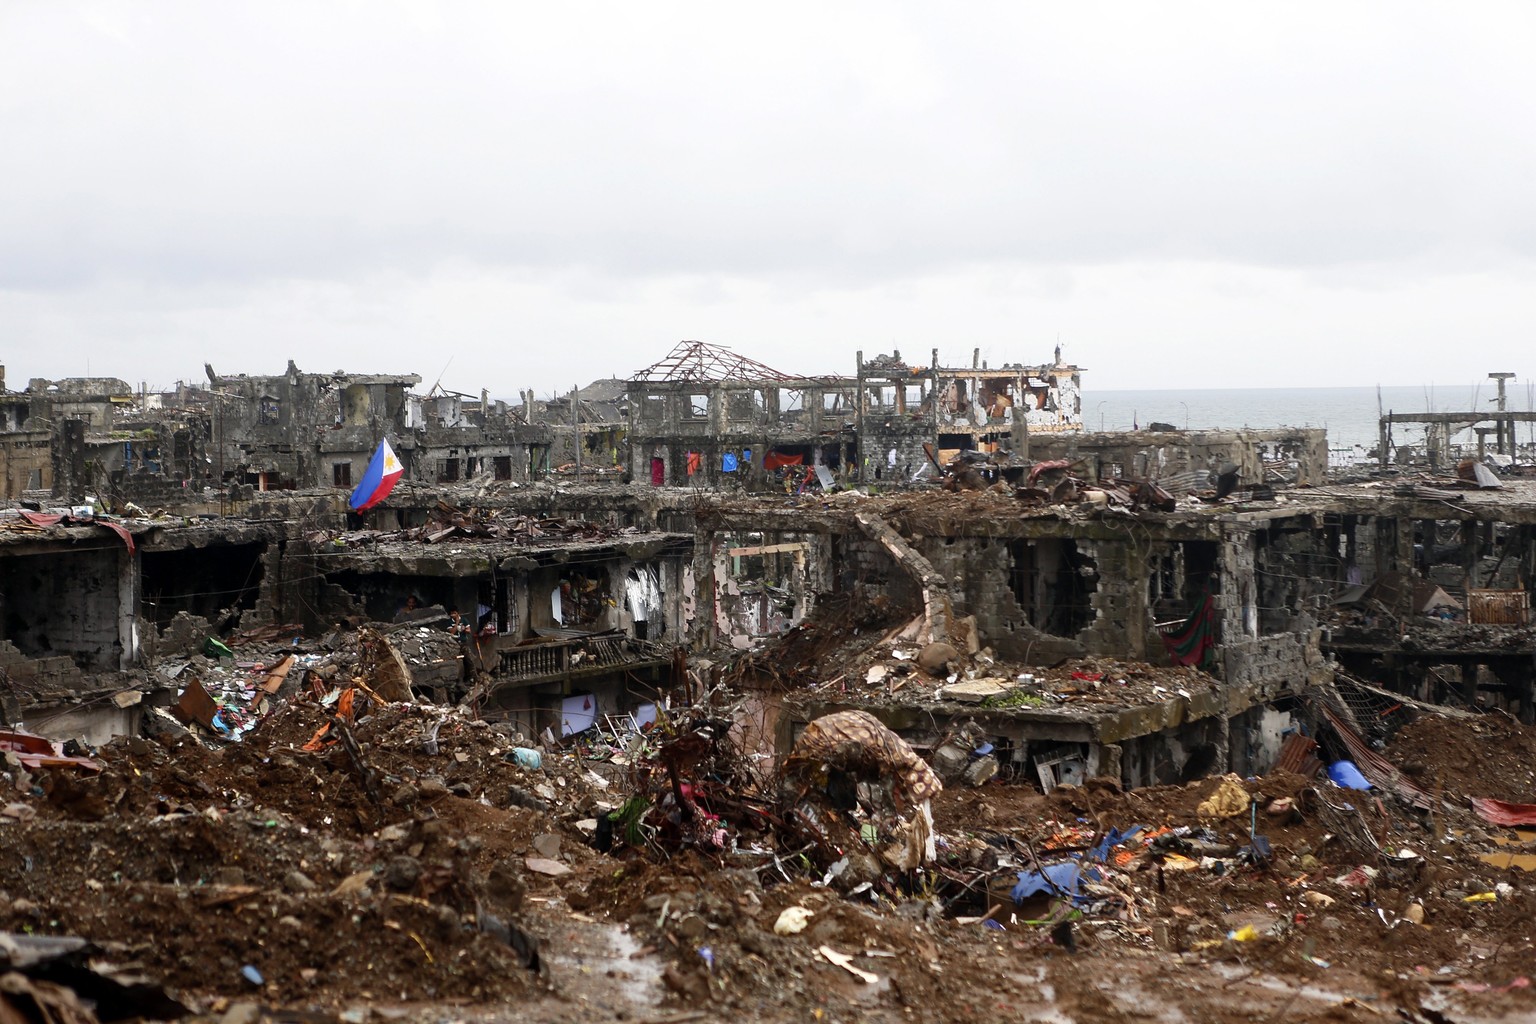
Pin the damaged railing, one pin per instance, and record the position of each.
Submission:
(558, 658)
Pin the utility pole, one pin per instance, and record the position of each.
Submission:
(576, 428)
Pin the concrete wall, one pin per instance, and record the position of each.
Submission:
(1154, 454)
(40, 675)
(1270, 666)
(26, 462)
(981, 570)
(96, 725)
(65, 604)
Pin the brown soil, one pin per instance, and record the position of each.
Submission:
(1489, 756)
(185, 862)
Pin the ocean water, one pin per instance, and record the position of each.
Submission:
(1348, 414)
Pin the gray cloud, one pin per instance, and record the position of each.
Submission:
(178, 158)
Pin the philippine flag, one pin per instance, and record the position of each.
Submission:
(384, 471)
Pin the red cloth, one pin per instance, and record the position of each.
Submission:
(1043, 467)
(658, 472)
(773, 460)
(1187, 643)
(47, 519)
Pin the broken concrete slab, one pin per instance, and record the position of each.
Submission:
(975, 691)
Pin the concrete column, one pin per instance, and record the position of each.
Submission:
(128, 575)
(938, 602)
(1527, 684)
(1403, 551)
(701, 632)
(1471, 552)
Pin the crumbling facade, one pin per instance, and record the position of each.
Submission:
(591, 593)
(1292, 456)
(705, 416)
(1033, 589)
(951, 410)
(306, 430)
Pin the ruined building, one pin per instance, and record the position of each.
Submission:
(305, 430)
(704, 415)
(230, 516)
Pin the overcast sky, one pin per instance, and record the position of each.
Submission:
(512, 195)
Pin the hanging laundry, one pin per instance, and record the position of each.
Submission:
(728, 462)
(694, 460)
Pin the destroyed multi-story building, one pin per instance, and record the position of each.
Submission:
(96, 437)
(1035, 588)
(705, 415)
(589, 430)
(307, 430)
(698, 416)
(580, 598)
(910, 415)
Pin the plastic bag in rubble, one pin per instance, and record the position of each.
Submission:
(527, 757)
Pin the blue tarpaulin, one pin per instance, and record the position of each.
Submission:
(1052, 879)
(1345, 774)
(728, 462)
(1066, 878)
(1114, 837)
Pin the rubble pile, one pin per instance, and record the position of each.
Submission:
(225, 688)
(353, 851)
(842, 628)
(938, 672)
(394, 869)
(447, 522)
(1469, 756)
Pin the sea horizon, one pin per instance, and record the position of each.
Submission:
(1349, 414)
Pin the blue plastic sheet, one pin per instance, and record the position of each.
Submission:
(1345, 774)
(1061, 878)
(1113, 838)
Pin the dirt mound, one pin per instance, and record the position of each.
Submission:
(1490, 756)
(198, 864)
